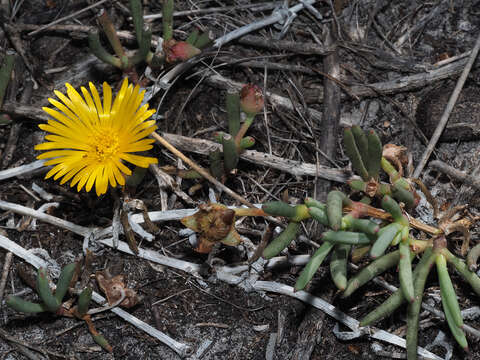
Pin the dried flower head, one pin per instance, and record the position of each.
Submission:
(89, 141)
(213, 223)
(251, 99)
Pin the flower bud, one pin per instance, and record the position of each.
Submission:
(251, 99)
(179, 51)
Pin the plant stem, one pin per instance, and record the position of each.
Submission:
(243, 129)
(199, 169)
(5, 73)
(167, 20)
(111, 33)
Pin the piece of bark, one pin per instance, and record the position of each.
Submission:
(464, 121)
(310, 330)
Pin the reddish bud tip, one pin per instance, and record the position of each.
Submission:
(251, 99)
(179, 51)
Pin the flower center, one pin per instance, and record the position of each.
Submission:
(104, 145)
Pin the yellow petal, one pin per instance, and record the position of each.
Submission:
(107, 101)
(96, 98)
(142, 161)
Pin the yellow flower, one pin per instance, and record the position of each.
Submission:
(89, 141)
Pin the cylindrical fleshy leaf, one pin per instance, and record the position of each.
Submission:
(64, 281)
(281, 241)
(449, 298)
(233, 112)
(413, 311)
(346, 237)
(385, 237)
(353, 154)
(312, 266)
(84, 301)
(405, 271)
(390, 205)
(370, 271)
(43, 289)
(334, 208)
(20, 305)
(338, 265)
(374, 158)
(230, 154)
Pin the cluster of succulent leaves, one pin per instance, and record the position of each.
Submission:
(173, 50)
(224, 161)
(53, 302)
(351, 230)
(250, 101)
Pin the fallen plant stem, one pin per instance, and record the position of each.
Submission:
(456, 174)
(381, 214)
(448, 110)
(199, 169)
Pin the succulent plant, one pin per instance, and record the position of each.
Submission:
(53, 301)
(351, 229)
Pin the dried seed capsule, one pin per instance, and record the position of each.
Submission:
(374, 157)
(385, 238)
(370, 271)
(405, 271)
(338, 265)
(312, 266)
(449, 298)
(346, 237)
(353, 154)
(281, 241)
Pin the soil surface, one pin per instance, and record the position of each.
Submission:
(375, 42)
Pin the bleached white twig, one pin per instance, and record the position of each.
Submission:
(22, 170)
(64, 224)
(227, 274)
(331, 310)
(276, 16)
(272, 19)
(154, 256)
(105, 308)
